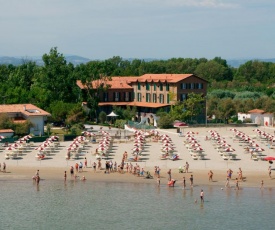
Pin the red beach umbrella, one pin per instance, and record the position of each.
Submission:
(269, 158)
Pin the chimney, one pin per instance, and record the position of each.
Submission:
(24, 107)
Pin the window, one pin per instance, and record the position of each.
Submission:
(116, 96)
(161, 98)
(192, 85)
(161, 87)
(200, 85)
(147, 86)
(183, 96)
(148, 97)
(154, 97)
(155, 86)
(138, 85)
(126, 96)
(168, 98)
(105, 96)
(167, 87)
(183, 85)
(139, 97)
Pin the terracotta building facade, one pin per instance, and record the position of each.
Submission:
(149, 92)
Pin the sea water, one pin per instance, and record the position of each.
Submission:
(107, 205)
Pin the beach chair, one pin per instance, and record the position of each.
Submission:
(255, 158)
(195, 157)
(225, 157)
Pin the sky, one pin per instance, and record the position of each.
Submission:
(161, 29)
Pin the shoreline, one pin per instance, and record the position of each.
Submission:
(251, 179)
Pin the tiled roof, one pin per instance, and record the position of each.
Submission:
(256, 111)
(147, 104)
(113, 83)
(113, 103)
(124, 82)
(172, 78)
(26, 109)
(6, 131)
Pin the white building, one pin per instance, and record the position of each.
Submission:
(21, 113)
(257, 116)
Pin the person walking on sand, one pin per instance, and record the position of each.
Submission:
(229, 173)
(4, 167)
(76, 167)
(85, 163)
(210, 175)
(269, 171)
(191, 181)
(262, 184)
(169, 175)
(186, 167)
(240, 174)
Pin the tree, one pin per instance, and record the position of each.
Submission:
(102, 117)
(189, 108)
(55, 79)
(165, 121)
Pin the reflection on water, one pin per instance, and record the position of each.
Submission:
(59, 205)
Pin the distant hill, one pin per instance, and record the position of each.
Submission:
(74, 59)
(237, 62)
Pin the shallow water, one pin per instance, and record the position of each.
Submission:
(101, 205)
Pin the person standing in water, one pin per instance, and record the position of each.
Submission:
(202, 196)
(184, 183)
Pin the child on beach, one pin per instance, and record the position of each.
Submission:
(262, 184)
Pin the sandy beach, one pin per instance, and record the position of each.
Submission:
(53, 166)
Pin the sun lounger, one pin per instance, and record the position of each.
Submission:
(225, 157)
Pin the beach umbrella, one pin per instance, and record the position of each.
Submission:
(167, 144)
(167, 148)
(193, 142)
(195, 145)
(9, 148)
(198, 149)
(269, 158)
(229, 150)
(258, 149)
(136, 149)
(190, 132)
(40, 148)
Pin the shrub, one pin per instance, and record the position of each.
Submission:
(165, 122)
(247, 120)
